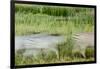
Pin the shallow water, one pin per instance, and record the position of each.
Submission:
(33, 44)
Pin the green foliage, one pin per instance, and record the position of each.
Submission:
(51, 10)
(54, 20)
(29, 24)
(89, 52)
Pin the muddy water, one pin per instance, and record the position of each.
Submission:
(33, 44)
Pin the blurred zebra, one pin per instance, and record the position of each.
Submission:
(82, 41)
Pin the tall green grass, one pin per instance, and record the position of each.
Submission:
(32, 19)
(29, 24)
(52, 10)
(52, 19)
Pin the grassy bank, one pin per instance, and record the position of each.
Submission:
(28, 22)
(33, 19)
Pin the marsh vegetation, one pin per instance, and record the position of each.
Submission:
(55, 21)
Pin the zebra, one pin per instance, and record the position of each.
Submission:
(82, 41)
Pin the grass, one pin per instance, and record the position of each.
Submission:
(47, 59)
(50, 24)
(33, 19)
